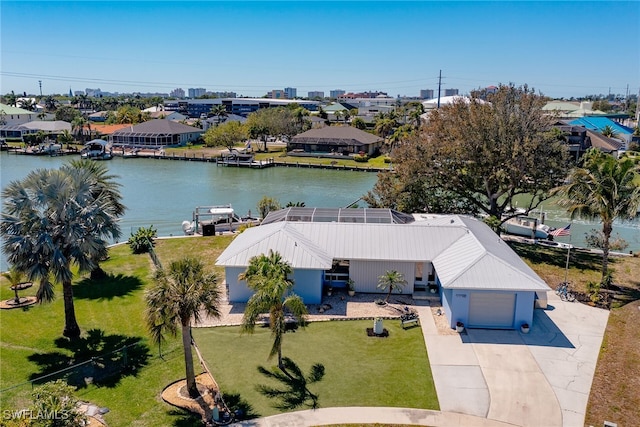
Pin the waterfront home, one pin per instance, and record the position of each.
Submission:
(335, 139)
(155, 134)
(16, 116)
(480, 280)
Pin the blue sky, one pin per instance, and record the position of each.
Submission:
(562, 49)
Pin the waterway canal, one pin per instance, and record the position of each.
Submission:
(164, 193)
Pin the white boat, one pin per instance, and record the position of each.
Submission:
(209, 220)
(96, 149)
(526, 226)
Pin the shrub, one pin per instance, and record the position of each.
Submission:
(142, 241)
(387, 159)
(362, 158)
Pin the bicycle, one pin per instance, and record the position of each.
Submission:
(563, 291)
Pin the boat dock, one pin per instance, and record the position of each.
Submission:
(251, 164)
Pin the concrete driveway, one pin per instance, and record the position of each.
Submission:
(542, 378)
(494, 378)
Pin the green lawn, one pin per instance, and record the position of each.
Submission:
(360, 370)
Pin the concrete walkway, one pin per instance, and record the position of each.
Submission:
(495, 377)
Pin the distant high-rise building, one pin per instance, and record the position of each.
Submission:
(196, 92)
(315, 94)
(290, 92)
(177, 93)
(222, 94)
(336, 93)
(94, 93)
(426, 93)
(276, 94)
(450, 92)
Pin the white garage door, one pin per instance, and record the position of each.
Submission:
(492, 309)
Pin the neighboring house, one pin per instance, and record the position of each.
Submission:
(481, 281)
(605, 144)
(579, 139)
(16, 116)
(196, 108)
(50, 128)
(104, 131)
(597, 124)
(213, 121)
(99, 116)
(169, 115)
(336, 139)
(155, 134)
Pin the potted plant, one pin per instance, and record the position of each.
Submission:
(459, 326)
(351, 287)
(524, 328)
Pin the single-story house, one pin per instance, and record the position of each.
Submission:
(155, 134)
(336, 139)
(51, 128)
(481, 281)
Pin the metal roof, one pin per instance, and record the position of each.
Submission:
(365, 215)
(465, 252)
(157, 127)
(347, 134)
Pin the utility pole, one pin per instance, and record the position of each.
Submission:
(40, 83)
(439, 85)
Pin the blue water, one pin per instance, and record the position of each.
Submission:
(164, 193)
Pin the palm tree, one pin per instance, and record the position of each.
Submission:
(77, 126)
(391, 280)
(603, 187)
(66, 138)
(54, 220)
(50, 103)
(103, 186)
(11, 99)
(181, 295)
(220, 112)
(384, 126)
(268, 276)
(15, 277)
(609, 132)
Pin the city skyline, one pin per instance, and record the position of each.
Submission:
(252, 48)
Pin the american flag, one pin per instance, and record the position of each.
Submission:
(564, 231)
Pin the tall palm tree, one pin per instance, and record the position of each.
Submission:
(391, 280)
(602, 187)
(77, 126)
(53, 220)
(220, 112)
(180, 296)
(103, 186)
(268, 276)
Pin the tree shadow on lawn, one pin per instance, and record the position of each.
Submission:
(240, 407)
(102, 360)
(182, 418)
(558, 257)
(106, 287)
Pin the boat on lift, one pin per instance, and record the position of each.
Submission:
(527, 226)
(209, 220)
(96, 149)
